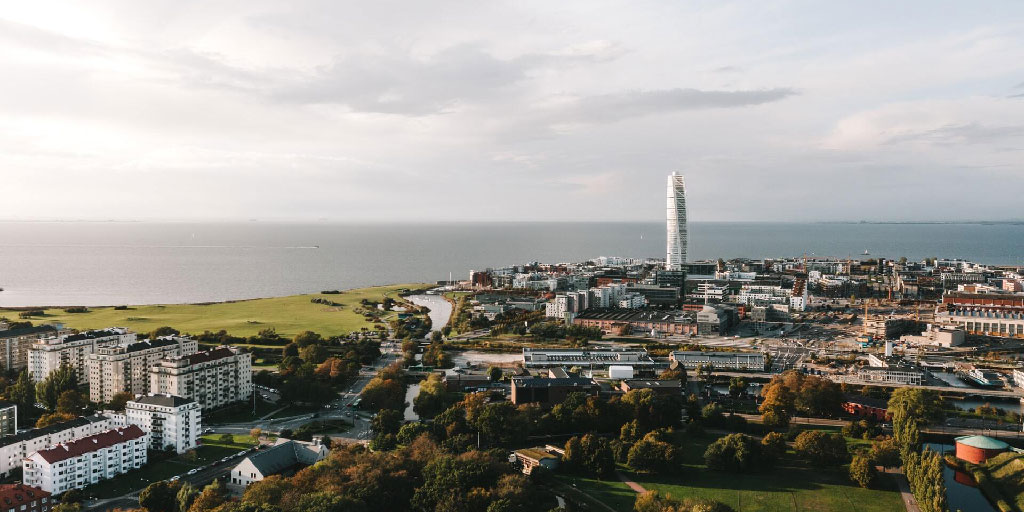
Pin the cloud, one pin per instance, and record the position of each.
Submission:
(971, 133)
(618, 106)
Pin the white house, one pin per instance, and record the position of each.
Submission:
(86, 461)
(170, 420)
(283, 456)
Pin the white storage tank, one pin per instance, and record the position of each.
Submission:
(620, 372)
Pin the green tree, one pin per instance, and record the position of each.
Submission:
(924, 473)
(48, 390)
(164, 331)
(736, 453)
(863, 471)
(494, 373)
(886, 453)
(22, 392)
(410, 431)
(912, 408)
(821, 448)
(119, 400)
(500, 424)
(306, 338)
(737, 386)
(589, 454)
(160, 496)
(433, 397)
(315, 354)
(387, 421)
(71, 402)
(653, 456)
(186, 495)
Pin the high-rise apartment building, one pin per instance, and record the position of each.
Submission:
(213, 378)
(125, 367)
(675, 223)
(48, 354)
(172, 421)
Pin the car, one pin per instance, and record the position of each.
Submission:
(193, 471)
(208, 431)
(239, 454)
(175, 478)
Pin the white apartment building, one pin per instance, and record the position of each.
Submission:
(170, 420)
(87, 461)
(125, 367)
(213, 378)
(48, 354)
(14, 449)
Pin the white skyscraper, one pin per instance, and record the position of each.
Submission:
(675, 223)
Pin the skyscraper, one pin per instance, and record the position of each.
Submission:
(675, 223)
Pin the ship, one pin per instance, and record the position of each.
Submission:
(866, 253)
(981, 378)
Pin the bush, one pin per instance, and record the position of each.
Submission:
(76, 309)
(774, 444)
(822, 449)
(652, 456)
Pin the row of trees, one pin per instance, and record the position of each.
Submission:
(911, 409)
(793, 392)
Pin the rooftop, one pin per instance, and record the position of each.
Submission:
(982, 442)
(531, 382)
(12, 495)
(163, 400)
(91, 443)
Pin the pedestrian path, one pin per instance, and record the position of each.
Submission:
(639, 489)
(908, 497)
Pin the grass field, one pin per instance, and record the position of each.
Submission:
(790, 487)
(288, 315)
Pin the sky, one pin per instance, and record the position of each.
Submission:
(522, 111)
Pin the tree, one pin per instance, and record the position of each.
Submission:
(774, 444)
(500, 424)
(315, 354)
(924, 473)
(885, 453)
(213, 496)
(119, 400)
(22, 392)
(164, 331)
(863, 471)
(494, 373)
(387, 421)
(589, 454)
(186, 495)
(161, 496)
(653, 501)
(777, 407)
(48, 390)
(53, 418)
(306, 338)
(736, 453)
(433, 397)
(911, 408)
(737, 386)
(256, 433)
(653, 456)
(410, 431)
(71, 402)
(822, 449)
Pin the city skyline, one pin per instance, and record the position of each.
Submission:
(355, 112)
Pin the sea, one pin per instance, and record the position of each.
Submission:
(113, 263)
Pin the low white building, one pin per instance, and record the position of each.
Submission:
(14, 449)
(86, 461)
(285, 455)
(170, 420)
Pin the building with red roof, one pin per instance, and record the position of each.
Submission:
(25, 498)
(86, 461)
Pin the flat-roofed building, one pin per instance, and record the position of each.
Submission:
(8, 419)
(600, 358)
(172, 421)
(86, 461)
(14, 343)
(213, 378)
(125, 367)
(616, 321)
(47, 355)
(550, 392)
(753, 361)
(667, 387)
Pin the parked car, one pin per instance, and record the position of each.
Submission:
(193, 471)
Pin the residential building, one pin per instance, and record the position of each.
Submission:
(172, 421)
(24, 498)
(49, 354)
(14, 449)
(213, 378)
(125, 367)
(8, 419)
(753, 361)
(286, 455)
(86, 461)
(14, 343)
(675, 223)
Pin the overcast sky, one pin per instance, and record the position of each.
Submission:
(485, 110)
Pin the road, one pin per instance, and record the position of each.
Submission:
(931, 429)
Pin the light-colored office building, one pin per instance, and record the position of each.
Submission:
(48, 354)
(125, 367)
(86, 461)
(213, 378)
(753, 361)
(170, 420)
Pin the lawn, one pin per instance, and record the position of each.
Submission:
(288, 315)
(789, 487)
(241, 412)
(612, 493)
(212, 449)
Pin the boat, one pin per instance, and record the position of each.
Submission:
(866, 253)
(982, 378)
